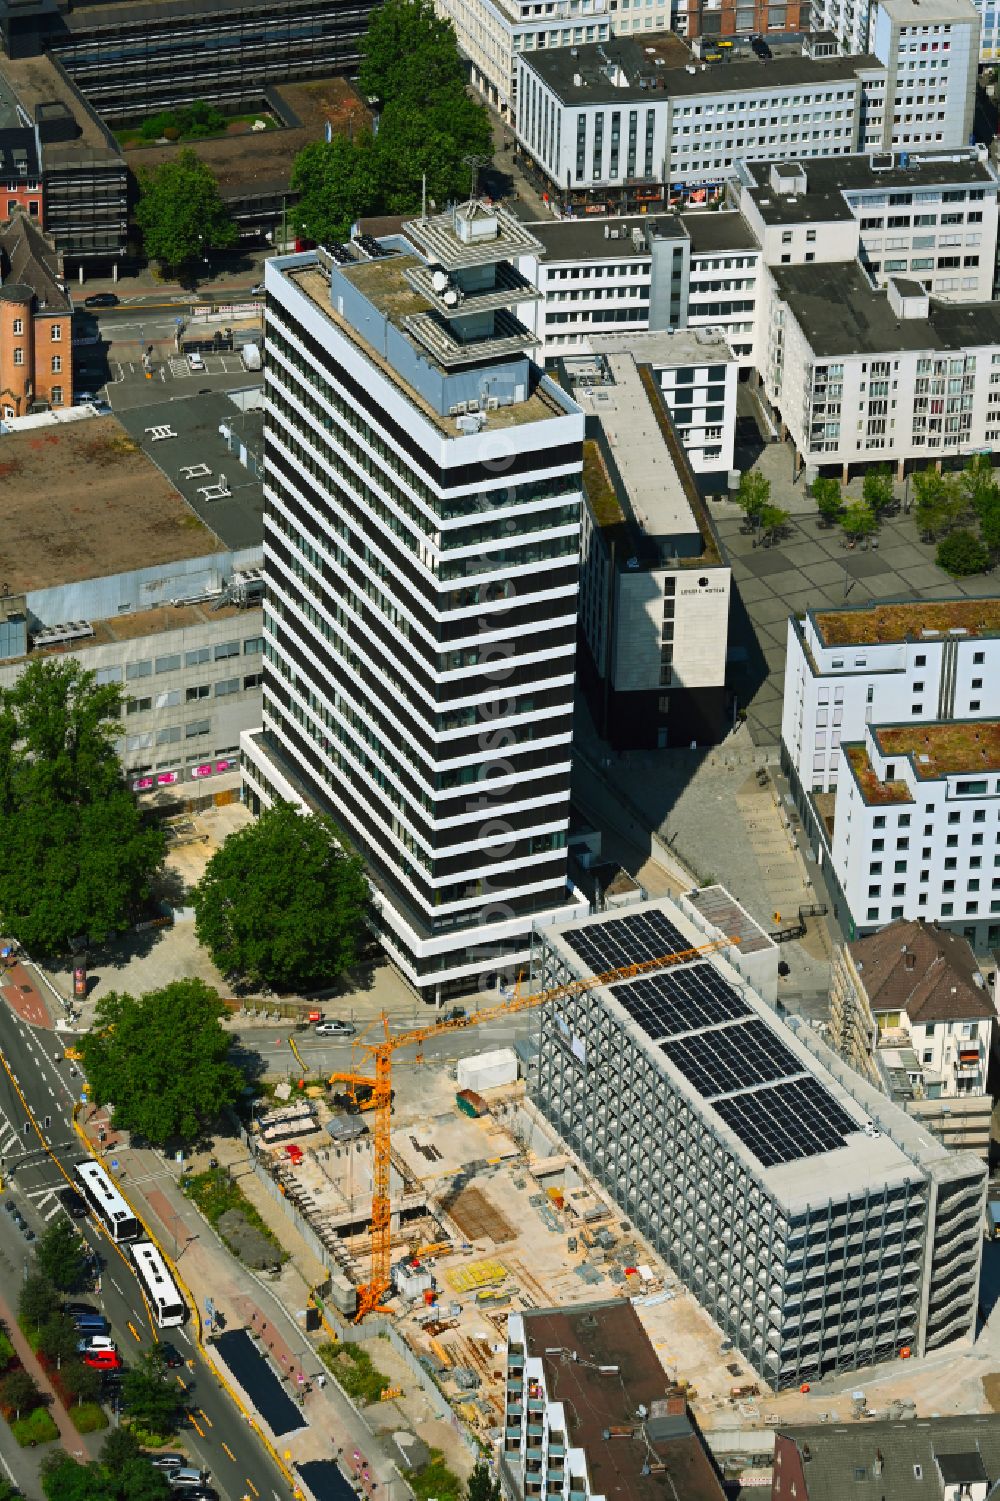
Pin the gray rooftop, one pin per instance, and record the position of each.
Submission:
(946, 12)
(683, 346)
(590, 239)
(835, 174)
(800, 208)
(559, 69)
(840, 313)
(709, 231)
(949, 1449)
(238, 519)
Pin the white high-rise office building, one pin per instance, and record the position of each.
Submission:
(421, 555)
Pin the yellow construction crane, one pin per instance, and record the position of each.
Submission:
(371, 1292)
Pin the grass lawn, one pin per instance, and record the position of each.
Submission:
(88, 1417)
(435, 1480)
(214, 1194)
(36, 1428)
(355, 1370)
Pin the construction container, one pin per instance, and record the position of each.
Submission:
(488, 1070)
(471, 1104)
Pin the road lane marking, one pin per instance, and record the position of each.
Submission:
(182, 1384)
(117, 1289)
(229, 1451)
(253, 1487)
(196, 1425)
(135, 1332)
(206, 1417)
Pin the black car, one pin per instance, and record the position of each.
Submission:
(80, 1310)
(760, 48)
(74, 1204)
(101, 299)
(172, 1358)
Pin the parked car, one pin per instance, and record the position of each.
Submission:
(101, 299)
(195, 362)
(80, 1310)
(103, 1360)
(167, 1461)
(75, 1206)
(335, 1028)
(91, 1343)
(185, 1477)
(257, 290)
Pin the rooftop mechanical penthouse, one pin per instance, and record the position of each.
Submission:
(422, 538)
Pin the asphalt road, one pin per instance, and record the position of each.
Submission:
(32, 1177)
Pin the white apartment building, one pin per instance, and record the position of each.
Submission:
(932, 57)
(422, 540)
(891, 28)
(599, 277)
(607, 128)
(916, 828)
(882, 664)
(856, 375)
(898, 213)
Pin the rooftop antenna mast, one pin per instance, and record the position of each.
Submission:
(475, 164)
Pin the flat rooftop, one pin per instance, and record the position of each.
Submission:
(394, 298)
(81, 500)
(875, 792)
(727, 1054)
(154, 622)
(942, 749)
(878, 625)
(724, 912)
(726, 230)
(840, 314)
(37, 81)
(879, 171)
(909, 13)
(591, 239)
(683, 346)
(801, 208)
(614, 1371)
(655, 493)
(597, 65)
(246, 162)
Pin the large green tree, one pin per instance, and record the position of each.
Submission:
(859, 520)
(162, 1060)
(428, 125)
(940, 502)
(337, 183)
(150, 1395)
(36, 1301)
(62, 1256)
(65, 1479)
(962, 553)
(829, 500)
(58, 1337)
(181, 213)
(18, 1392)
(283, 902)
(75, 852)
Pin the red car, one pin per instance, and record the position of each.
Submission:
(103, 1360)
(294, 1153)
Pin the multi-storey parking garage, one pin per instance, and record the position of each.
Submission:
(820, 1227)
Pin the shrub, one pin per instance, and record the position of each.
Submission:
(37, 1428)
(961, 553)
(355, 1371)
(89, 1417)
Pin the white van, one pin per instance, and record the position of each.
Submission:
(250, 355)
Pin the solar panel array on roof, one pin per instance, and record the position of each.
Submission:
(685, 999)
(726, 1059)
(783, 1122)
(626, 940)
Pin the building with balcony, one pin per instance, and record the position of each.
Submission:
(916, 828)
(422, 543)
(910, 1008)
(820, 1226)
(589, 1412)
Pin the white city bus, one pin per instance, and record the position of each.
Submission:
(106, 1202)
(167, 1305)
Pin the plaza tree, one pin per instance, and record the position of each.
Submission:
(181, 213)
(940, 502)
(829, 500)
(962, 553)
(753, 494)
(772, 520)
(36, 1301)
(77, 852)
(162, 1060)
(283, 902)
(859, 521)
(18, 1392)
(877, 490)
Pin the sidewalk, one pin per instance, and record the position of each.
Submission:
(73, 1442)
(246, 1301)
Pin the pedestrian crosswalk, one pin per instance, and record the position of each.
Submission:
(45, 1201)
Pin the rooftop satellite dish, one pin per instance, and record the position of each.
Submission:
(451, 297)
(439, 281)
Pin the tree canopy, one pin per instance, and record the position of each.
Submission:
(77, 853)
(482, 1486)
(37, 1299)
(753, 494)
(962, 553)
(162, 1060)
(62, 1255)
(122, 1474)
(427, 125)
(829, 500)
(283, 902)
(150, 1395)
(180, 211)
